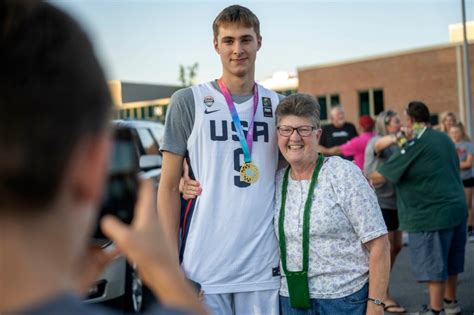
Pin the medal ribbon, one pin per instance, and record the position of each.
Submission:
(246, 143)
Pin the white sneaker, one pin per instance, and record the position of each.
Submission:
(452, 308)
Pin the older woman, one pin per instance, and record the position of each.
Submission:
(333, 241)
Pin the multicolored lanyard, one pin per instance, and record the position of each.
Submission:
(249, 172)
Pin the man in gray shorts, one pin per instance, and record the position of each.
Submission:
(431, 207)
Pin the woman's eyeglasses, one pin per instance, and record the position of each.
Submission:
(303, 131)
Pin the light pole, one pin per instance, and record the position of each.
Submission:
(467, 75)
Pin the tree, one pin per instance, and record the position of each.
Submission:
(188, 74)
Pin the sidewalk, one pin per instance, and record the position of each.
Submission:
(412, 295)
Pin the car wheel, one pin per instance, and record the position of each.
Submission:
(133, 291)
(132, 300)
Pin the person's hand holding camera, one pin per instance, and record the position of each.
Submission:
(144, 243)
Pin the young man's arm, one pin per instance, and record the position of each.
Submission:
(169, 204)
(178, 127)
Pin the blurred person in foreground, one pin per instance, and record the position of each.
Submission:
(337, 133)
(356, 146)
(379, 149)
(55, 142)
(465, 151)
(333, 242)
(431, 207)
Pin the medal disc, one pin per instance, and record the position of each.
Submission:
(249, 173)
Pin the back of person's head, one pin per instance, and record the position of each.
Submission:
(418, 112)
(238, 15)
(366, 122)
(52, 94)
(300, 105)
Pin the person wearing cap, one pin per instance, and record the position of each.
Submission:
(356, 146)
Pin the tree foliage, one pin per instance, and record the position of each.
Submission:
(187, 74)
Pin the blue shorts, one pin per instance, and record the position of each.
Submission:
(438, 254)
(354, 304)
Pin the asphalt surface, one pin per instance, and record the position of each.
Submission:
(412, 295)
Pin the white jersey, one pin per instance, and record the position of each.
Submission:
(229, 242)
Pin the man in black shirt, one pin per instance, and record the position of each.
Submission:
(337, 133)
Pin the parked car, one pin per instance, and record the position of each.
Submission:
(119, 286)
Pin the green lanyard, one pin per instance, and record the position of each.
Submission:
(298, 280)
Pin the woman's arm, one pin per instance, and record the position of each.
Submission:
(379, 272)
(466, 164)
(384, 143)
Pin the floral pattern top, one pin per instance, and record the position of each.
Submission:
(345, 214)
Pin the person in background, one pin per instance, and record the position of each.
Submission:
(333, 242)
(55, 140)
(431, 207)
(337, 133)
(356, 146)
(465, 151)
(379, 149)
(447, 119)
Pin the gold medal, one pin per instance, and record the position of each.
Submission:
(249, 173)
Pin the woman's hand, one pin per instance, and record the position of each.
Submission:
(191, 189)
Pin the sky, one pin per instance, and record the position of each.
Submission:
(146, 41)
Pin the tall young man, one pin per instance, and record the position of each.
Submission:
(226, 131)
(55, 105)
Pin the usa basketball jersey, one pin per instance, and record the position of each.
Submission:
(228, 242)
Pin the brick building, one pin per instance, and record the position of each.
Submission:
(433, 75)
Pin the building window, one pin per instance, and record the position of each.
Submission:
(323, 115)
(371, 102)
(127, 113)
(334, 100)
(143, 113)
(151, 111)
(325, 100)
(135, 113)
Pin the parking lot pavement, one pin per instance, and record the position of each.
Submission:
(412, 295)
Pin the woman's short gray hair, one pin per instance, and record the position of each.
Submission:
(301, 105)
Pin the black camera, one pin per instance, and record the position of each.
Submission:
(121, 190)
